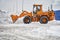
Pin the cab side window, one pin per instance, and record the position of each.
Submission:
(38, 8)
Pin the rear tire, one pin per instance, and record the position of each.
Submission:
(27, 20)
(44, 20)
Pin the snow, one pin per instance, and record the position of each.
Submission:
(32, 31)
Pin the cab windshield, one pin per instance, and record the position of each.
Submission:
(35, 9)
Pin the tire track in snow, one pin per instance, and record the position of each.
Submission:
(11, 34)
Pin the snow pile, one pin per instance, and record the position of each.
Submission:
(4, 18)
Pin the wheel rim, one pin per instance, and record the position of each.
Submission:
(44, 20)
(27, 20)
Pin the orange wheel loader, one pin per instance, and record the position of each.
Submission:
(36, 16)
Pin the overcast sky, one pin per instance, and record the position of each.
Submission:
(16, 5)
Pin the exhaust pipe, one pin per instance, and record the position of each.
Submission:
(14, 18)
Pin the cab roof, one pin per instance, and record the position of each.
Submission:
(37, 5)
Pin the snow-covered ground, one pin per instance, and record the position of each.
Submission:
(32, 31)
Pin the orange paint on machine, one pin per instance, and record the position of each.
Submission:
(36, 16)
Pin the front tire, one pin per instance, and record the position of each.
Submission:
(44, 20)
(27, 20)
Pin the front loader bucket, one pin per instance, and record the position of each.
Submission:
(14, 18)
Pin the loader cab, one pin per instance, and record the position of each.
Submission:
(36, 8)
